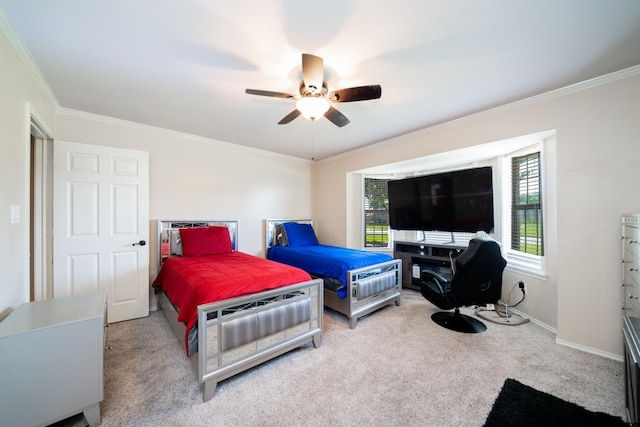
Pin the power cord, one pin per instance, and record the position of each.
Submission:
(452, 263)
(522, 287)
(501, 310)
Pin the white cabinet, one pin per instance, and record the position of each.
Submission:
(52, 360)
(630, 263)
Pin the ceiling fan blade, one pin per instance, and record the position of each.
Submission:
(268, 93)
(312, 72)
(336, 117)
(289, 117)
(360, 93)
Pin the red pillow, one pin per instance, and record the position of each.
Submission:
(205, 241)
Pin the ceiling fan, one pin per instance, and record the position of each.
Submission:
(315, 100)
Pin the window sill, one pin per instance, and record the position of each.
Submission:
(537, 274)
(379, 250)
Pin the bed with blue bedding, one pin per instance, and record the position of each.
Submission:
(356, 282)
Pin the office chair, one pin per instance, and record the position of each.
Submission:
(477, 279)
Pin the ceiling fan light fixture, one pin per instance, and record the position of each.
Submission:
(314, 99)
(312, 107)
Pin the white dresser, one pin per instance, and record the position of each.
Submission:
(52, 360)
(630, 263)
(631, 314)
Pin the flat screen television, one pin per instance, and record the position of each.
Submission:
(452, 201)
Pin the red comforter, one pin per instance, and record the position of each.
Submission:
(193, 281)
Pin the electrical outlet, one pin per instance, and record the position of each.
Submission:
(523, 286)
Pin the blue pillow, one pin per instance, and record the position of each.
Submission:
(300, 234)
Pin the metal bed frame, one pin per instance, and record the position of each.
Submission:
(369, 288)
(239, 333)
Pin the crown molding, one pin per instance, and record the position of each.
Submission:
(26, 58)
(576, 87)
(173, 133)
(35, 72)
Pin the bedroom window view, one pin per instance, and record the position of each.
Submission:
(526, 207)
(446, 237)
(376, 213)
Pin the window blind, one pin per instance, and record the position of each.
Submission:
(526, 208)
(376, 213)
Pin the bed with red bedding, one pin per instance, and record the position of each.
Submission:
(232, 310)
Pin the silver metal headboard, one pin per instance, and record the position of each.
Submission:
(270, 230)
(169, 235)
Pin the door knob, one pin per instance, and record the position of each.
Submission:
(140, 243)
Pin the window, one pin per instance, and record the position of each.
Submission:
(376, 213)
(446, 237)
(526, 209)
(525, 226)
(525, 200)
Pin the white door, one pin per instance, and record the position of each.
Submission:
(101, 226)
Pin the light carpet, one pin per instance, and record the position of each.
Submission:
(396, 367)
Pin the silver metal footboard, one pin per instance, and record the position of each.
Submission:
(369, 288)
(240, 333)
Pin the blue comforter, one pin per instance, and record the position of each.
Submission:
(327, 261)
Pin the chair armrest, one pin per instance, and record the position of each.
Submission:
(435, 278)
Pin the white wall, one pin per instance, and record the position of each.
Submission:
(598, 147)
(190, 178)
(197, 178)
(597, 151)
(20, 96)
(194, 178)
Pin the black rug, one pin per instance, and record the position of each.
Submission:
(523, 406)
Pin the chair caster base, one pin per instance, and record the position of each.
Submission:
(458, 322)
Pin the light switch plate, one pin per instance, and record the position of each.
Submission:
(15, 214)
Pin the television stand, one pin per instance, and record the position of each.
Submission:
(419, 256)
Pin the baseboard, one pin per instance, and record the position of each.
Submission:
(605, 354)
(536, 321)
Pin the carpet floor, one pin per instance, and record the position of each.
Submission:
(397, 367)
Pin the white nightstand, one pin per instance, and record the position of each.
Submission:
(52, 360)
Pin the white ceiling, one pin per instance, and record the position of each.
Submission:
(184, 64)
